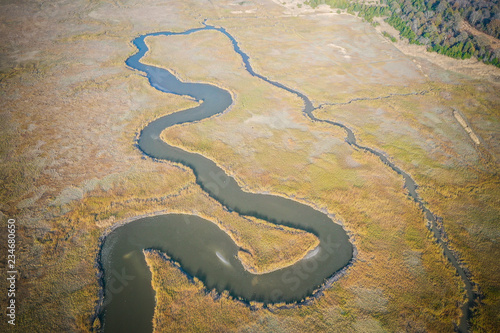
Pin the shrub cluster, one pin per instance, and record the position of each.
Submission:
(438, 24)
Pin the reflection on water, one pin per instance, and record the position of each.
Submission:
(128, 296)
(222, 258)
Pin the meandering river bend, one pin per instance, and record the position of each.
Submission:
(201, 248)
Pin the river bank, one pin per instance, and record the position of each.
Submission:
(72, 169)
(225, 190)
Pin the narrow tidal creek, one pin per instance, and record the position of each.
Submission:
(199, 246)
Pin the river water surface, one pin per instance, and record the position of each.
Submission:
(205, 251)
(199, 246)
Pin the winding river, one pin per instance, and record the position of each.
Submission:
(199, 246)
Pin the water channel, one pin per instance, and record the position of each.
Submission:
(199, 246)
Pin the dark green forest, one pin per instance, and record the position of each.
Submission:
(438, 24)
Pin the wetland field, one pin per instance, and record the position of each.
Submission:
(325, 127)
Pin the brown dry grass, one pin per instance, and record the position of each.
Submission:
(493, 42)
(305, 146)
(457, 177)
(70, 112)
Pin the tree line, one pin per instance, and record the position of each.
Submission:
(438, 24)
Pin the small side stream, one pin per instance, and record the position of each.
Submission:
(201, 248)
(409, 184)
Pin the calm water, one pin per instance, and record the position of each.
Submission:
(201, 248)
